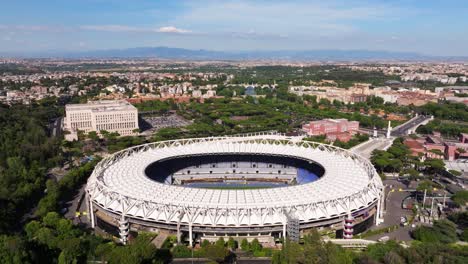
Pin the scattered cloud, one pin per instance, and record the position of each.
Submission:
(33, 28)
(171, 29)
(110, 28)
(245, 25)
(123, 28)
(284, 17)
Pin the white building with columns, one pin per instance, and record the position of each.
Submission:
(110, 115)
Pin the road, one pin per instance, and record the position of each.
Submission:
(78, 204)
(365, 149)
(402, 130)
(56, 127)
(394, 211)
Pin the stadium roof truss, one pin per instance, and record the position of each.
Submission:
(119, 184)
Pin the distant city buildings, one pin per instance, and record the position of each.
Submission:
(401, 96)
(333, 129)
(135, 85)
(355, 94)
(112, 116)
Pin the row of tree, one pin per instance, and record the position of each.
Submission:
(398, 159)
(26, 153)
(314, 250)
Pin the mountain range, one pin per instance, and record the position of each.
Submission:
(190, 54)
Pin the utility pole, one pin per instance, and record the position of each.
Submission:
(432, 207)
(445, 197)
(424, 199)
(389, 129)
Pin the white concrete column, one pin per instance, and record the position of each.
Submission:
(190, 235)
(378, 213)
(87, 205)
(90, 211)
(284, 230)
(178, 233)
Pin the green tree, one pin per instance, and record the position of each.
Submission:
(93, 136)
(232, 244)
(220, 242)
(181, 251)
(13, 249)
(427, 186)
(443, 231)
(51, 219)
(245, 245)
(205, 243)
(434, 166)
(216, 252)
(255, 245)
(460, 198)
(31, 229)
(378, 251)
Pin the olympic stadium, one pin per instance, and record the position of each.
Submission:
(267, 186)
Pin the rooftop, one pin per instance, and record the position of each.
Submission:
(101, 106)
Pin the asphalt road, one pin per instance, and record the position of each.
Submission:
(403, 129)
(56, 127)
(365, 149)
(74, 206)
(394, 211)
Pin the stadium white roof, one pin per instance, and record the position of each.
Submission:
(119, 184)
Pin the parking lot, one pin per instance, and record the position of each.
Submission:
(151, 124)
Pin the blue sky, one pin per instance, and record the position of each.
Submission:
(429, 27)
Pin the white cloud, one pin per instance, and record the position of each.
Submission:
(171, 29)
(111, 28)
(33, 28)
(283, 17)
(123, 28)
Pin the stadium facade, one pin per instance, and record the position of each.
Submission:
(127, 193)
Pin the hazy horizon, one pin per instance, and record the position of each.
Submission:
(429, 27)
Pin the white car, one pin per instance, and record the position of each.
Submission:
(384, 239)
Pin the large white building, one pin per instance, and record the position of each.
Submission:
(129, 190)
(111, 116)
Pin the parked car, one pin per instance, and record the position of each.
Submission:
(384, 239)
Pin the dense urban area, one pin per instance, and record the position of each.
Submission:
(409, 119)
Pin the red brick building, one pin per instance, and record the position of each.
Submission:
(341, 136)
(463, 138)
(434, 147)
(330, 126)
